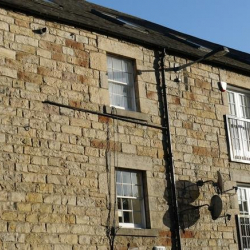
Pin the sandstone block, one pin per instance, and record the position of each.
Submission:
(69, 239)
(17, 197)
(71, 130)
(98, 61)
(27, 40)
(34, 197)
(56, 179)
(53, 199)
(7, 53)
(62, 247)
(33, 177)
(24, 207)
(8, 72)
(4, 26)
(38, 160)
(120, 48)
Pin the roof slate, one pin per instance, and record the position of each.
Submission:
(80, 14)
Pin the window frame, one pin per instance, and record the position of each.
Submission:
(142, 200)
(239, 147)
(130, 84)
(243, 218)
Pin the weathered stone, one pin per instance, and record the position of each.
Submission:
(57, 181)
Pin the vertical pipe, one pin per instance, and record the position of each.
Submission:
(170, 163)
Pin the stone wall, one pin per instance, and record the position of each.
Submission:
(57, 164)
(199, 137)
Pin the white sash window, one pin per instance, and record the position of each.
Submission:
(238, 123)
(121, 83)
(244, 217)
(130, 199)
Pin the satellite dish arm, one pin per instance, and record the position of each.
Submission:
(194, 208)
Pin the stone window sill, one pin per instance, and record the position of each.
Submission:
(126, 113)
(137, 232)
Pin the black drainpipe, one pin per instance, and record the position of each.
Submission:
(170, 173)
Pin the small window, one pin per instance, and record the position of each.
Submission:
(121, 83)
(238, 123)
(130, 199)
(244, 217)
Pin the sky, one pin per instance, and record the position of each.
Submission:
(226, 22)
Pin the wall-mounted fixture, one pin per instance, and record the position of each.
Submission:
(216, 53)
(40, 31)
(159, 248)
(227, 217)
(215, 207)
(26, 127)
(233, 188)
(222, 86)
(218, 185)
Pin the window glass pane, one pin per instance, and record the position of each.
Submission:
(118, 95)
(240, 207)
(120, 219)
(111, 75)
(245, 207)
(127, 189)
(118, 176)
(130, 68)
(118, 76)
(137, 191)
(125, 78)
(231, 101)
(137, 205)
(136, 178)
(109, 63)
(137, 218)
(125, 66)
(119, 189)
(126, 177)
(117, 64)
(127, 204)
(127, 217)
(131, 78)
(119, 203)
(248, 106)
(242, 100)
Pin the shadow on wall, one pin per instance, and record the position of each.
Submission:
(187, 192)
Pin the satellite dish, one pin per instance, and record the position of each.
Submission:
(215, 207)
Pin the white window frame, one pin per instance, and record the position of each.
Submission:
(131, 198)
(238, 127)
(244, 217)
(130, 84)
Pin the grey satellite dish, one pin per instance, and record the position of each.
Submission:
(220, 185)
(215, 207)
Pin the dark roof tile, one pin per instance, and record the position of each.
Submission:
(83, 14)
